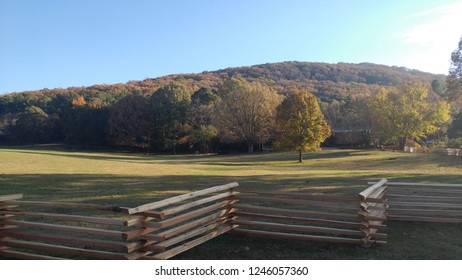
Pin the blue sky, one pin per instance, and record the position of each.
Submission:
(49, 44)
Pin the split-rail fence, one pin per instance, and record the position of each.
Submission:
(166, 228)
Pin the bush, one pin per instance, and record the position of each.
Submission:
(455, 143)
(438, 144)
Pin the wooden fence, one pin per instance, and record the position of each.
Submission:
(374, 212)
(420, 202)
(185, 221)
(452, 152)
(159, 230)
(163, 229)
(51, 230)
(304, 216)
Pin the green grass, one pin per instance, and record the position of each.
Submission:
(57, 174)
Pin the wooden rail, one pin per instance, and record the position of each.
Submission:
(157, 230)
(373, 212)
(186, 221)
(327, 218)
(425, 202)
(163, 229)
(179, 199)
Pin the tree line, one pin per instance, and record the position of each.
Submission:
(236, 113)
(240, 112)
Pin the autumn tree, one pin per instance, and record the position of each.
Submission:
(128, 123)
(300, 123)
(247, 112)
(408, 113)
(168, 108)
(454, 78)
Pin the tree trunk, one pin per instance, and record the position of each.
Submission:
(174, 148)
(300, 157)
(250, 147)
(403, 143)
(148, 146)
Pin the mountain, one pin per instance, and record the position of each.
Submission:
(80, 115)
(327, 81)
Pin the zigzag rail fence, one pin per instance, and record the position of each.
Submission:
(425, 202)
(316, 217)
(158, 230)
(166, 228)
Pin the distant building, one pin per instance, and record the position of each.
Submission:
(350, 137)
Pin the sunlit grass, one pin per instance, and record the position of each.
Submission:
(122, 179)
(58, 174)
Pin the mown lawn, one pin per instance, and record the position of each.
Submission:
(55, 173)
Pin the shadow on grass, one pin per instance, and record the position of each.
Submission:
(405, 240)
(135, 190)
(348, 160)
(446, 161)
(225, 160)
(88, 155)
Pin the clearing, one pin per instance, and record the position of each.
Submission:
(55, 173)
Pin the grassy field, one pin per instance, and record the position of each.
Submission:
(56, 174)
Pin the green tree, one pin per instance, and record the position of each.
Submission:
(407, 113)
(455, 128)
(247, 112)
(439, 88)
(454, 78)
(6, 127)
(169, 105)
(202, 136)
(199, 119)
(351, 116)
(300, 124)
(128, 123)
(85, 123)
(205, 96)
(31, 126)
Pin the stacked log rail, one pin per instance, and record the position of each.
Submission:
(158, 230)
(7, 203)
(166, 228)
(177, 224)
(52, 230)
(302, 216)
(373, 213)
(425, 202)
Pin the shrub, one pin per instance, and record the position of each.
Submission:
(455, 143)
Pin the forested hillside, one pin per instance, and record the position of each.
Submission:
(326, 81)
(91, 116)
(322, 79)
